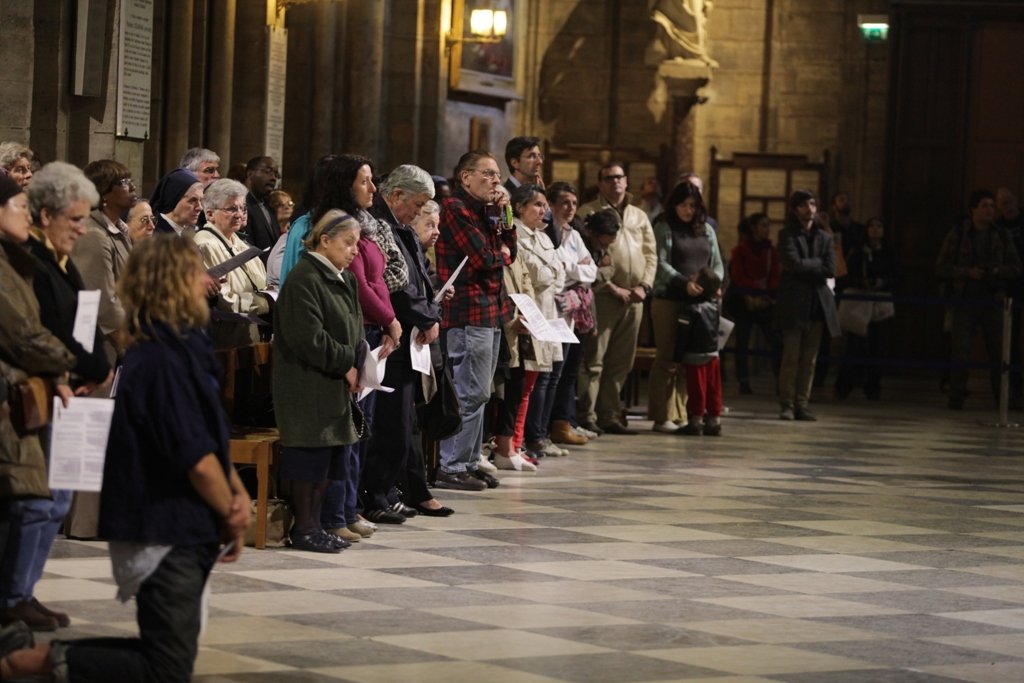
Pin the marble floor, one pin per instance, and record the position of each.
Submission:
(884, 543)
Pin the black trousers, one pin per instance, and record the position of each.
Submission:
(168, 615)
(393, 433)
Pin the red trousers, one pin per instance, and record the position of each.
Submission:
(704, 390)
(529, 379)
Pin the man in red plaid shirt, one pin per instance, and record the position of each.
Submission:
(473, 226)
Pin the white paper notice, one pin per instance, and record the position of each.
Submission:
(88, 311)
(564, 332)
(451, 281)
(533, 319)
(371, 375)
(419, 354)
(78, 444)
(724, 330)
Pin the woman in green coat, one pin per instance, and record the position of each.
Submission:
(318, 326)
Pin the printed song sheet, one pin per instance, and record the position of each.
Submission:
(78, 443)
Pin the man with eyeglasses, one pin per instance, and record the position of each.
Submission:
(472, 320)
(618, 300)
(261, 230)
(525, 162)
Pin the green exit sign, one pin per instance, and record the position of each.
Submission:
(873, 27)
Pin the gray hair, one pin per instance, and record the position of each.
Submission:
(57, 186)
(333, 223)
(10, 152)
(220, 192)
(430, 207)
(194, 158)
(409, 179)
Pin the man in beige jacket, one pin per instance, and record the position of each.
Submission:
(618, 300)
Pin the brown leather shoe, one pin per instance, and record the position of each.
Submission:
(63, 620)
(562, 432)
(35, 620)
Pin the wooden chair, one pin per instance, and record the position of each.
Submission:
(255, 446)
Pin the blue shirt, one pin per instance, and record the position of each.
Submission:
(167, 417)
(293, 246)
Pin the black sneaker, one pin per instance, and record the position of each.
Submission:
(336, 540)
(689, 429)
(804, 415)
(486, 477)
(380, 516)
(459, 481)
(713, 430)
(403, 509)
(314, 542)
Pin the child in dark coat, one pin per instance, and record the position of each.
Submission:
(697, 351)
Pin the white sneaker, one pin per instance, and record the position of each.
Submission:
(553, 450)
(485, 465)
(516, 462)
(585, 432)
(666, 427)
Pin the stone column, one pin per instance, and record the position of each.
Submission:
(683, 81)
(222, 70)
(178, 92)
(365, 38)
(324, 78)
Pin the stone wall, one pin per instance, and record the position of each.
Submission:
(825, 89)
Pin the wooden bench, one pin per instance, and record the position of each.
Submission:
(642, 363)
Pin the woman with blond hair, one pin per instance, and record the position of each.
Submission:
(172, 503)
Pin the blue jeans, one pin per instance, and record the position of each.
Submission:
(542, 400)
(40, 522)
(473, 358)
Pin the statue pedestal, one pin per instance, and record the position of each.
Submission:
(683, 80)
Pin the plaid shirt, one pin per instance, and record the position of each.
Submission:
(480, 299)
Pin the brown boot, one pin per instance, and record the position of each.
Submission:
(35, 620)
(63, 620)
(562, 432)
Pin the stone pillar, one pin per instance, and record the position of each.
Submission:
(222, 70)
(324, 79)
(365, 38)
(683, 81)
(178, 92)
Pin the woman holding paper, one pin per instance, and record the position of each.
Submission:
(218, 241)
(172, 503)
(319, 327)
(27, 349)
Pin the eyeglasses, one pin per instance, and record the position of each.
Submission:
(535, 156)
(126, 183)
(234, 209)
(613, 178)
(488, 173)
(147, 220)
(269, 171)
(284, 204)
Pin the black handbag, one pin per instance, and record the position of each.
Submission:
(439, 417)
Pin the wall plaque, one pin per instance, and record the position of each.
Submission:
(134, 69)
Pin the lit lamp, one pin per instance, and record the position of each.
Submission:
(873, 27)
(485, 26)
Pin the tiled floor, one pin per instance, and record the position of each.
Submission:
(884, 543)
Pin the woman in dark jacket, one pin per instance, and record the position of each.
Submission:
(319, 327)
(27, 349)
(59, 198)
(170, 496)
(871, 269)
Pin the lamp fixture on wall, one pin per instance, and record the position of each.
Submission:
(485, 26)
(873, 27)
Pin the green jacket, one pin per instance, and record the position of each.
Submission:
(317, 325)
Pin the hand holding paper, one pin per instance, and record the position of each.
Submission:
(371, 374)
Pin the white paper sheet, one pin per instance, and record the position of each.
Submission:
(78, 443)
(533, 319)
(724, 330)
(84, 331)
(451, 281)
(564, 332)
(419, 354)
(371, 375)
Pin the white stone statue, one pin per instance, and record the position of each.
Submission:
(683, 34)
